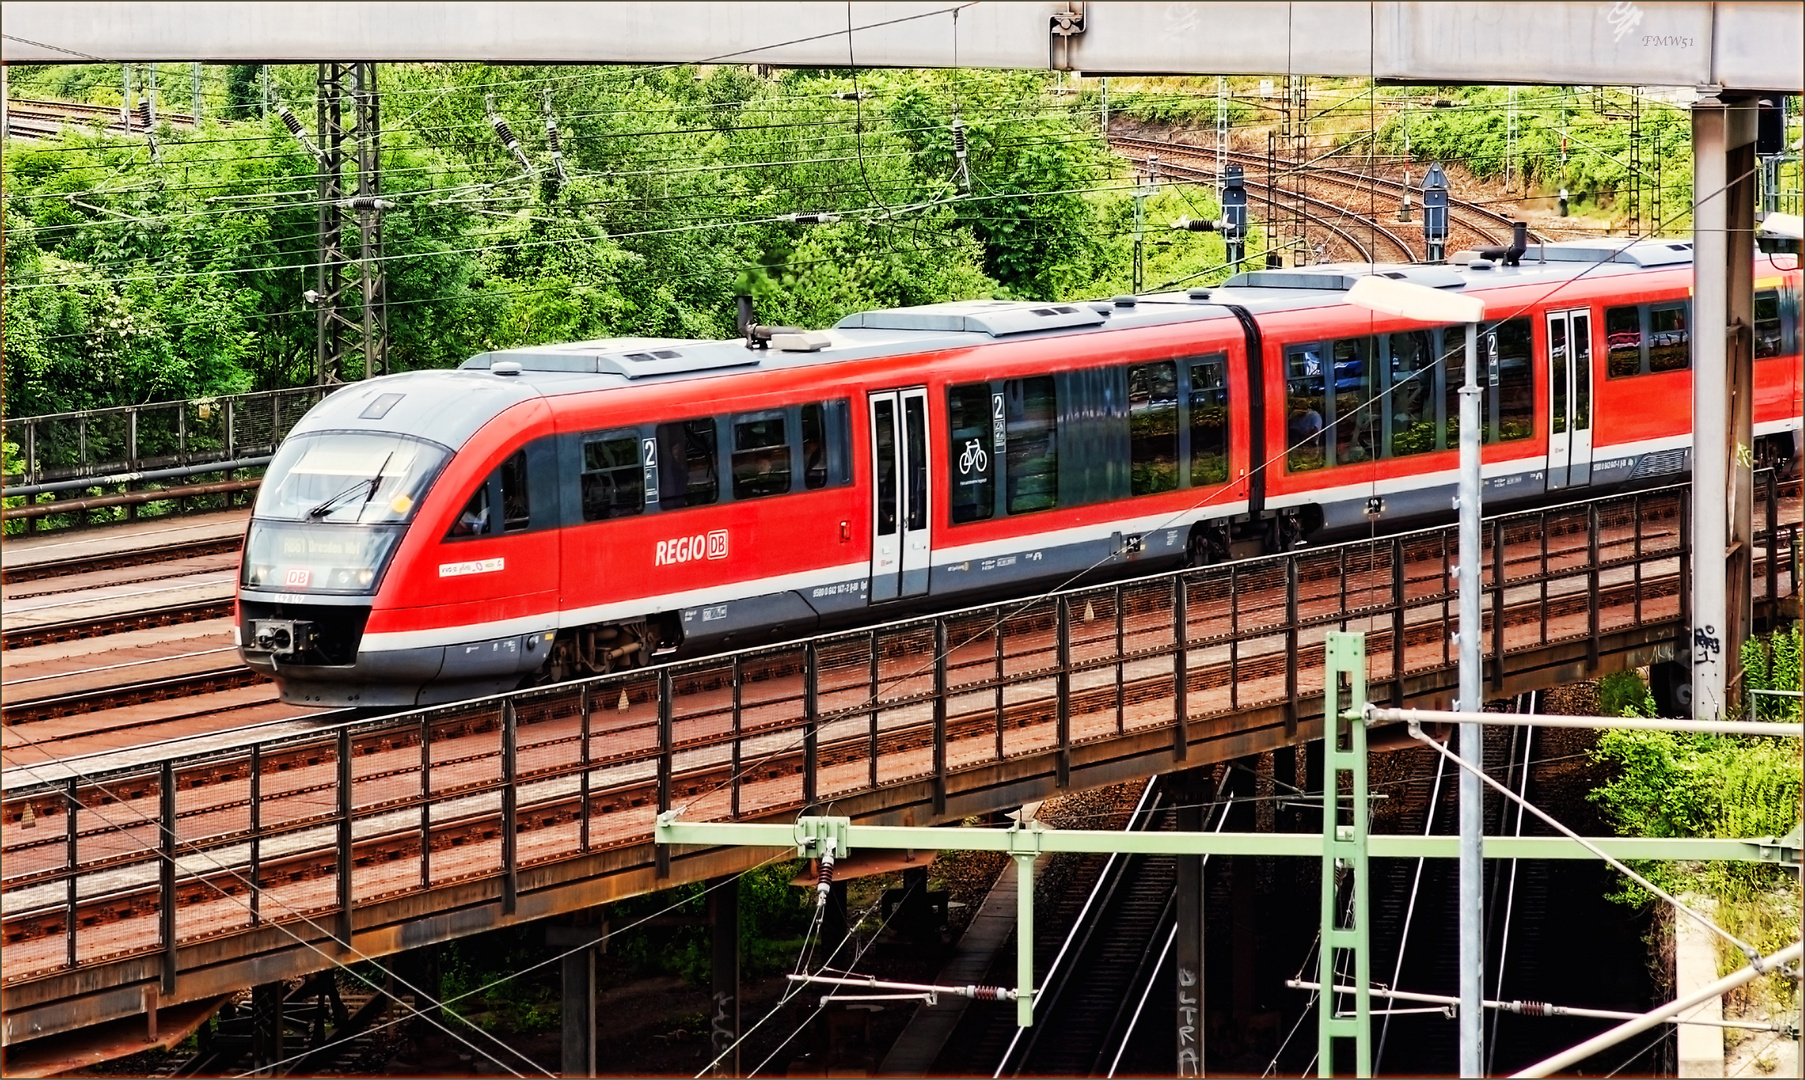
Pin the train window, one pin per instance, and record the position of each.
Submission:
(814, 446)
(688, 474)
(970, 454)
(915, 431)
(761, 456)
(508, 484)
(1031, 411)
(1582, 372)
(1623, 341)
(1789, 320)
(1557, 374)
(1454, 376)
(1354, 421)
(1209, 421)
(516, 509)
(1412, 398)
(1304, 407)
(883, 454)
(1153, 428)
(1514, 403)
(613, 483)
(1669, 337)
(473, 520)
(1768, 327)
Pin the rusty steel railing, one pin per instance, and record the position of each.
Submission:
(161, 440)
(150, 858)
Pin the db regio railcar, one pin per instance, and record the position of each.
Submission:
(550, 512)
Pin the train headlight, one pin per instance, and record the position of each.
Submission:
(258, 575)
(365, 576)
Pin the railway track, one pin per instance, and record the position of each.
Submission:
(1327, 215)
(32, 118)
(1469, 224)
(225, 677)
(1086, 999)
(105, 625)
(121, 560)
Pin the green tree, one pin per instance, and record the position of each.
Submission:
(244, 91)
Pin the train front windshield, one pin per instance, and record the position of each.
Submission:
(332, 507)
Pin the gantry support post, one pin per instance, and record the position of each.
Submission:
(1344, 853)
(1191, 789)
(1723, 208)
(1024, 939)
(267, 1024)
(576, 1048)
(724, 973)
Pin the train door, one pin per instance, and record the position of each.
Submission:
(1569, 398)
(899, 493)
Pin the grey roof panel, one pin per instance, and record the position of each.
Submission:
(997, 318)
(445, 406)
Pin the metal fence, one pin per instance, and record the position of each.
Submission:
(143, 860)
(166, 435)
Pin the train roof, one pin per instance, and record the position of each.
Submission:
(967, 323)
(451, 406)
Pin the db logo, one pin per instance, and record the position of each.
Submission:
(691, 548)
(299, 576)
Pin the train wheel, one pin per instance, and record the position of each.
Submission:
(1283, 533)
(1198, 548)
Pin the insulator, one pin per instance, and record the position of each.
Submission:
(144, 112)
(961, 168)
(507, 134)
(826, 881)
(1531, 1008)
(850, 95)
(988, 993)
(551, 136)
(289, 121)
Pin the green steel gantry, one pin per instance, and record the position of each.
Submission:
(1344, 848)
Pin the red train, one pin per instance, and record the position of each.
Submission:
(548, 512)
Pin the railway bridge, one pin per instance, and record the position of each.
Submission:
(172, 880)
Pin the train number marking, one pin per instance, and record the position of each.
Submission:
(685, 549)
(474, 566)
(651, 469)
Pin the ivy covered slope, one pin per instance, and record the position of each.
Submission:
(1676, 784)
(133, 275)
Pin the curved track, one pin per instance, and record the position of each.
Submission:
(28, 118)
(1325, 214)
(1469, 224)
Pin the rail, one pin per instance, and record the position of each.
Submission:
(153, 859)
(158, 441)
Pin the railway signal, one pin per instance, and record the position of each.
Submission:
(1435, 212)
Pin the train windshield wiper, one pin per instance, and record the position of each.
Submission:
(372, 483)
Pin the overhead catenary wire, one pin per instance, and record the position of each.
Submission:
(443, 1003)
(375, 985)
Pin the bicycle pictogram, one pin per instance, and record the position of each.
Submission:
(974, 457)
